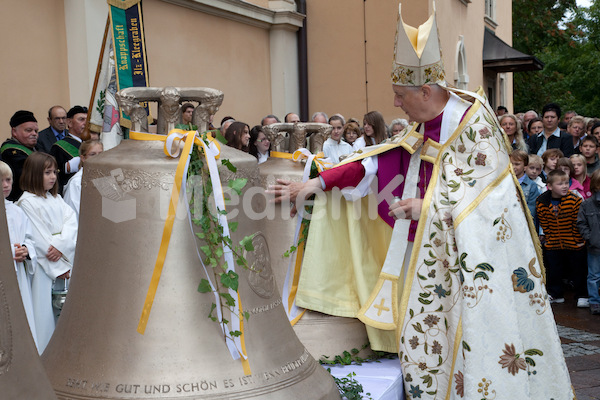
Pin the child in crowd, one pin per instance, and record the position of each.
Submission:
(534, 169)
(334, 147)
(566, 165)
(519, 160)
(564, 247)
(550, 158)
(588, 149)
(351, 132)
(54, 234)
(87, 149)
(588, 223)
(580, 167)
(20, 235)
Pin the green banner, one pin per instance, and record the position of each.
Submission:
(129, 48)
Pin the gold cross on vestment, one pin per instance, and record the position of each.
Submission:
(380, 307)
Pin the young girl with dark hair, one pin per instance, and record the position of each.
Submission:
(54, 233)
(259, 144)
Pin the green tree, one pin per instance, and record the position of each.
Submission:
(555, 32)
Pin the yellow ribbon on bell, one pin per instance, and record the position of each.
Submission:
(172, 148)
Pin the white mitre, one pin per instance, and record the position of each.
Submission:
(417, 54)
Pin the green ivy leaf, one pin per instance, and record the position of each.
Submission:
(204, 287)
(246, 243)
(237, 184)
(228, 299)
(229, 165)
(206, 250)
(233, 226)
(230, 280)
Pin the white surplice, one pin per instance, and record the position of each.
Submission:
(333, 150)
(54, 224)
(72, 192)
(20, 232)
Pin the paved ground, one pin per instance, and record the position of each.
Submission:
(580, 335)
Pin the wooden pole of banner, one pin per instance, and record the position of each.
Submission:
(86, 132)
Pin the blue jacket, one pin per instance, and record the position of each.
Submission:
(531, 192)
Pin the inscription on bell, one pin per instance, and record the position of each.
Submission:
(267, 307)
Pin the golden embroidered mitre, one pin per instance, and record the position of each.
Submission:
(417, 54)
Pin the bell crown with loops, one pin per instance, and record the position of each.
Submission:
(417, 54)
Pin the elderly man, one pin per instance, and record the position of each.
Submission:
(551, 137)
(320, 117)
(66, 151)
(269, 119)
(528, 116)
(24, 135)
(461, 254)
(57, 118)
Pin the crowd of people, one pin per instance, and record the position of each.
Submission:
(540, 144)
(559, 172)
(38, 168)
(345, 138)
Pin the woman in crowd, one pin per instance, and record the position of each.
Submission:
(397, 126)
(72, 196)
(374, 130)
(238, 136)
(512, 128)
(260, 146)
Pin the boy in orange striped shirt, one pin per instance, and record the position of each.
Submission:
(564, 248)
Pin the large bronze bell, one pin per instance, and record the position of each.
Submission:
(22, 375)
(323, 335)
(96, 351)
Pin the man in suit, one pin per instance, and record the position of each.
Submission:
(551, 137)
(66, 151)
(14, 151)
(57, 118)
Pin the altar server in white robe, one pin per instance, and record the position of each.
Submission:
(72, 192)
(22, 247)
(334, 147)
(54, 234)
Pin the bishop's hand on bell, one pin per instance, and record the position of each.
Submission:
(295, 192)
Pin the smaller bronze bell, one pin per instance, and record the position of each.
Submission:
(22, 375)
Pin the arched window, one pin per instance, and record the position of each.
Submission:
(461, 77)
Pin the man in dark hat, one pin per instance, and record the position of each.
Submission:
(14, 151)
(66, 151)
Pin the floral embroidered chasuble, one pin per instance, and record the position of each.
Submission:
(474, 317)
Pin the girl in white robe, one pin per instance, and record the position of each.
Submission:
(54, 234)
(22, 246)
(72, 192)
